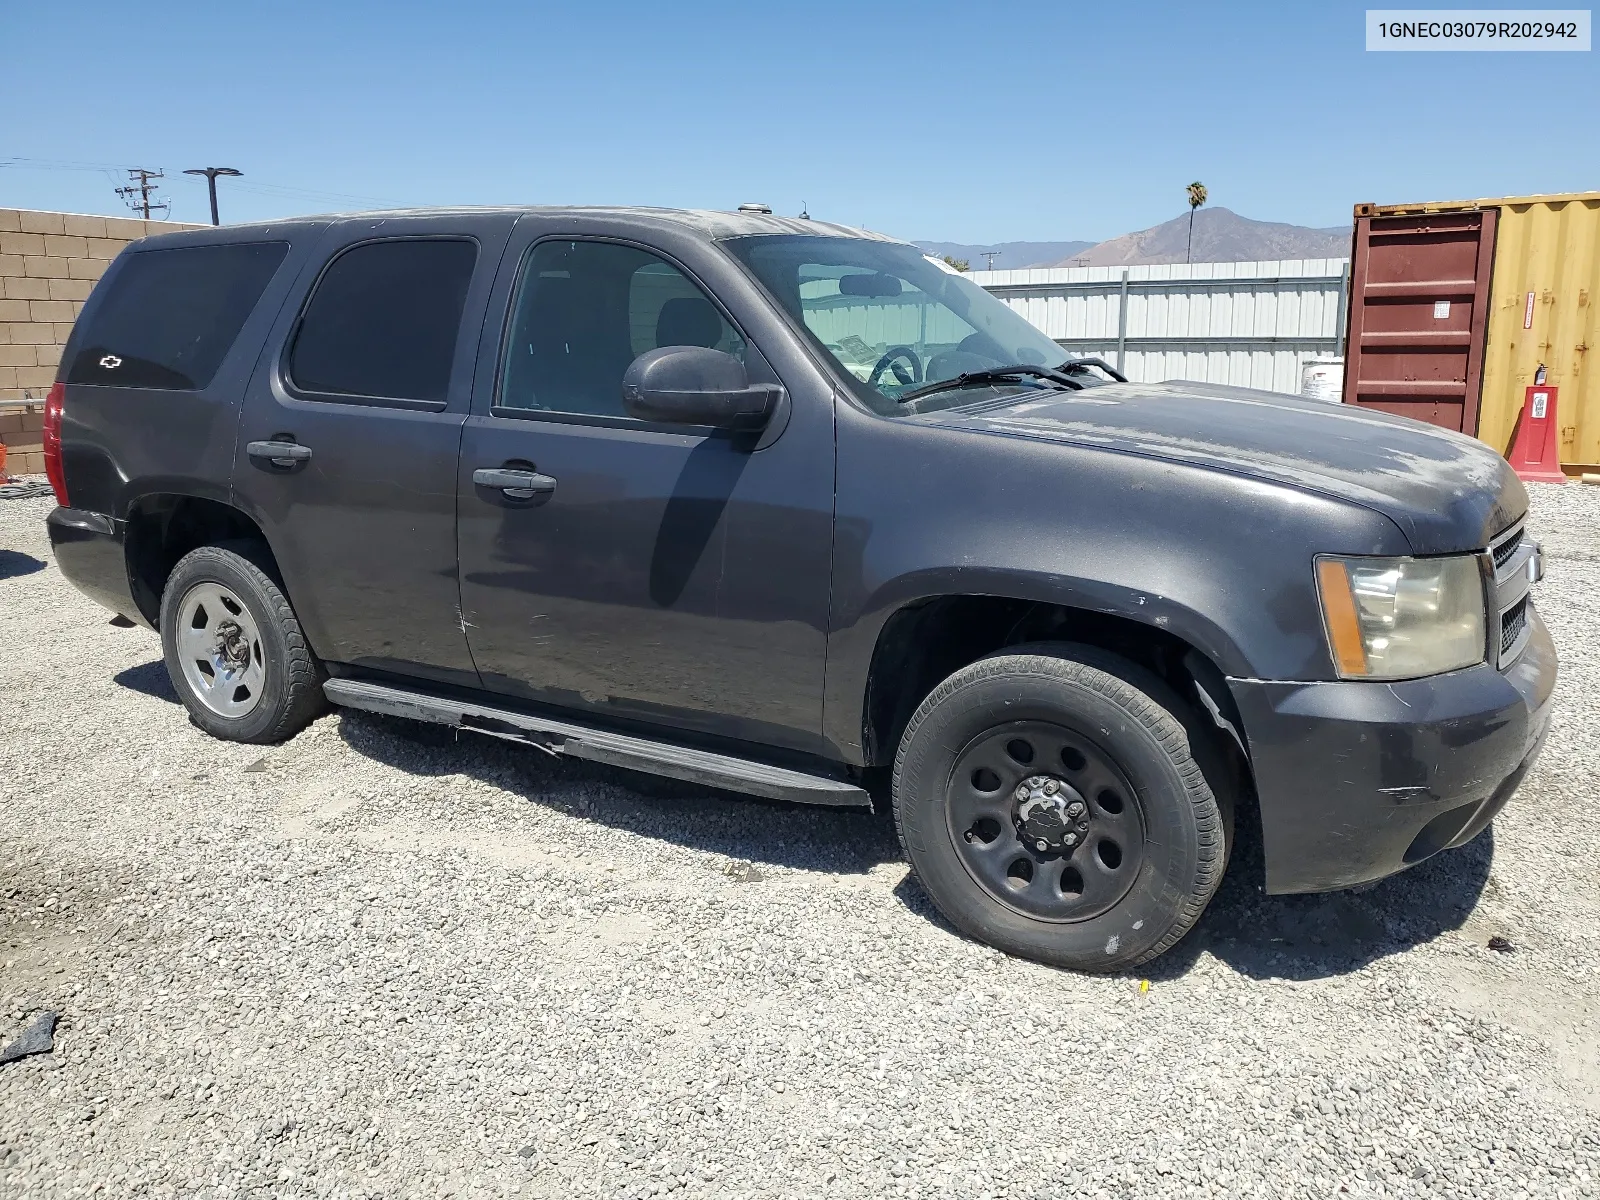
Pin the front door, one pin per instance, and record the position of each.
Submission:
(668, 575)
(350, 432)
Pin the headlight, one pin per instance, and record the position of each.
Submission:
(1399, 618)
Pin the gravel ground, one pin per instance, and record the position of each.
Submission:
(375, 962)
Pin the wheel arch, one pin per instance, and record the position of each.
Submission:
(925, 640)
(161, 527)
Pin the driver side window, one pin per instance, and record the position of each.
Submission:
(585, 310)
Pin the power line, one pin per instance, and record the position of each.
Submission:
(56, 164)
(143, 187)
(278, 189)
(110, 171)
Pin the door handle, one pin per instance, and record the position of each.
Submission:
(279, 454)
(514, 484)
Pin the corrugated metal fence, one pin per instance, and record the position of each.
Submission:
(1252, 324)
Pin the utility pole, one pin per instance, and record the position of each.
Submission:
(138, 193)
(211, 174)
(991, 255)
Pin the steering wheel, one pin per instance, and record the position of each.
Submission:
(887, 363)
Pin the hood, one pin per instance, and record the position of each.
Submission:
(1445, 491)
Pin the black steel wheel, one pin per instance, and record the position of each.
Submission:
(1045, 821)
(1048, 801)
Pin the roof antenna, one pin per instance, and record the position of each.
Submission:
(804, 215)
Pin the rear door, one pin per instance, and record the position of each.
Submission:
(1419, 315)
(159, 359)
(672, 575)
(350, 432)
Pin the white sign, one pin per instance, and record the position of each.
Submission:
(1541, 401)
(1478, 29)
(1527, 313)
(1441, 309)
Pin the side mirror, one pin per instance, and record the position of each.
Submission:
(693, 385)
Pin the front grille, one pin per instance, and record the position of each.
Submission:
(1503, 550)
(1512, 622)
(1514, 556)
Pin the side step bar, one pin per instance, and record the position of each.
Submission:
(598, 745)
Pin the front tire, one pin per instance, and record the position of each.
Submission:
(1049, 802)
(234, 649)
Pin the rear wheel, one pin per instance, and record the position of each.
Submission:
(234, 648)
(1049, 802)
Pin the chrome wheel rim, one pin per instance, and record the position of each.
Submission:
(219, 649)
(1045, 821)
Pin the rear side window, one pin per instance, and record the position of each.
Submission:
(170, 316)
(384, 320)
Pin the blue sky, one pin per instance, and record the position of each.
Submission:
(968, 122)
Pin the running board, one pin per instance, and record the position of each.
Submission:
(598, 745)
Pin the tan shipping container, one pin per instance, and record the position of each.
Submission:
(1454, 306)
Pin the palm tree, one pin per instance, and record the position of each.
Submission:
(1197, 197)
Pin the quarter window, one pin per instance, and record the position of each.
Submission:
(585, 311)
(384, 320)
(171, 315)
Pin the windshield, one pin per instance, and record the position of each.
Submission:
(892, 320)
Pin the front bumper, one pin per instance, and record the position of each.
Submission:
(1359, 780)
(88, 549)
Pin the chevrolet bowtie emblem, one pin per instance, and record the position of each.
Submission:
(111, 362)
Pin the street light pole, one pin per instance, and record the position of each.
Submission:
(211, 174)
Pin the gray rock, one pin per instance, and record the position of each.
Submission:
(37, 1037)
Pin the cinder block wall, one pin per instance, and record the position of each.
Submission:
(48, 263)
(21, 433)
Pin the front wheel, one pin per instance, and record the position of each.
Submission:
(1049, 802)
(234, 649)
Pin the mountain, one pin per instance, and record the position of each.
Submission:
(1220, 235)
(1011, 256)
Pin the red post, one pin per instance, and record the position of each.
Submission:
(1536, 454)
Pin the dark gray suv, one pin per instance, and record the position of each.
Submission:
(781, 507)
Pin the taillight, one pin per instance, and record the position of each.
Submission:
(52, 441)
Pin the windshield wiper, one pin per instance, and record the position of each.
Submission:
(1081, 365)
(994, 375)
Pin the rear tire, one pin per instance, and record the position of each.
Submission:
(234, 648)
(988, 806)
